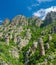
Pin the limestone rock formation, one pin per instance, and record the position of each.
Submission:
(50, 17)
(22, 43)
(20, 29)
(6, 22)
(14, 52)
(34, 46)
(53, 30)
(7, 40)
(1, 34)
(28, 34)
(19, 45)
(41, 46)
(15, 38)
(35, 21)
(20, 20)
(47, 46)
(3, 63)
(28, 53)
(49, 37)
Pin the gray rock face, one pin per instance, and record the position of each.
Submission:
(6, 22)
(27, 56)
(19, 39)
(38, 23)
(3, 63)
(34, 46)
(49, 37)
(41, 47)
(47, 46)
(35, 21)
(53, 30)
(22, 43)
(51, 17)
(15, 38)
(43, 33)
(7, 40)
(28, 53)
(20, 29)
(14, 52)
(11, 36)
(20, 20)
(1, 34)
(28, 34)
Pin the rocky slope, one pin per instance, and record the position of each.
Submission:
(24, 42)
(50, 17)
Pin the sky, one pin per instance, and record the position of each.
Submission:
(11, 8)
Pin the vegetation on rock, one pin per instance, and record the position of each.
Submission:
(25, 41)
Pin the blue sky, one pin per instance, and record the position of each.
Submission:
(11, 8)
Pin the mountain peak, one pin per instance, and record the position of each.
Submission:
(6, 21)
(50, 17)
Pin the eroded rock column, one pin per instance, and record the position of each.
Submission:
(41, 47)
(7, 40)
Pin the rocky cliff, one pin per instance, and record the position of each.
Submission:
(24, 42)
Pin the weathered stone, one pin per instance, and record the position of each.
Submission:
(3, 63)
(5, 29)
(50, 18)
(28, 52)
(28, 34)
(15, 38)
(47, 46)
(20, 20)
(6, 22)
(20, 29)
(7, 40)
(43, 33)
(41, 47)
(35, 21)
(34, 46)
(53, 30)
(38, 22)
(27, 56)
(19, 39)
(10, 34)
(49, 37)
(23, 43)
(1, 34)
(14, 52)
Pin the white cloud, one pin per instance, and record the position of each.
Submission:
(42, 12)
(44, 1)
(37, 3)
(33, 5)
